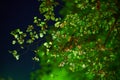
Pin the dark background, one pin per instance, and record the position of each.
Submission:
(16, 14)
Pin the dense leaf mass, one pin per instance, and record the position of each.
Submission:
(86, 38)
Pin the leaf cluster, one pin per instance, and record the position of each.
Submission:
(85, 41)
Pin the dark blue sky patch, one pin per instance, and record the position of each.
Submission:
(16, 14)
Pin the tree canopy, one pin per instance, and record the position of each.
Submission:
(81, 37)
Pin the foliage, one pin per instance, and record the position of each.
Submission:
(85, 40)
(57, 75)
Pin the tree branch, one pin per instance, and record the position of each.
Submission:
(110, 31)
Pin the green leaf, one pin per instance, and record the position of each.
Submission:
(41, 35)
(14, 42)
(57, 24)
